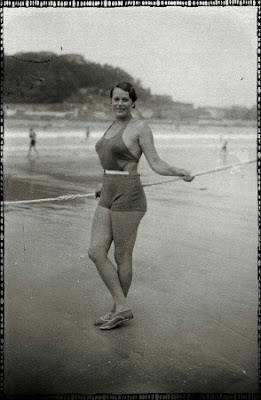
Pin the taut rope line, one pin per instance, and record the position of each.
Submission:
(77, 196)
(209, 171)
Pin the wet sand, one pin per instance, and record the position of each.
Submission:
(194, 292)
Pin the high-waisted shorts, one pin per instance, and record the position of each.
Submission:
(122, 193)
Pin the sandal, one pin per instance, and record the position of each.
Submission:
(104, 318)
(117, 319)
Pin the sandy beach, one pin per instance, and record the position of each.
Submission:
(194, 293)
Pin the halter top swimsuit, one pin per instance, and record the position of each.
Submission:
(113, 152)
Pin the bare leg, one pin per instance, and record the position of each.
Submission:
(36, 152)
(124, 227)
(29, 151)
(101, 239)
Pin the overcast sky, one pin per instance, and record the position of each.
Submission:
(202, 55)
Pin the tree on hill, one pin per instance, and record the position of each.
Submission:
(45, 77)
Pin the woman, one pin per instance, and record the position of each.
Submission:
(122, 201)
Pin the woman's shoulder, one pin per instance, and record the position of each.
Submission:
(140, 125)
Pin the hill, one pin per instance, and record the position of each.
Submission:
(69, 81)
(45, 77)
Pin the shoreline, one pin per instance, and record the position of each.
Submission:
(12, 122)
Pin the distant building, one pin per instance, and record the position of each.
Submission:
(165, 108)
(42, 111)
(211, 112)
(237, 112)
(184, 110)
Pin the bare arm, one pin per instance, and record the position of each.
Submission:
(155, 162)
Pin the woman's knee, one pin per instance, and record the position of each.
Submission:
(97, 254)
(123, 256)
(92, 253)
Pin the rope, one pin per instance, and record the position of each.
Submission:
(209, 171)
(60, 198)
(77, 196)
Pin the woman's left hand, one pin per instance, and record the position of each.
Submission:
(188, 178)
(186, 175)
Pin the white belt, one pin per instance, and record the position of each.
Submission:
(110, 172)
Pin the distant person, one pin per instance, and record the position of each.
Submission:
(122, 202)
(224, 144)
(88, 132)
(32, 144)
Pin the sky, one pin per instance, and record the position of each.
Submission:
(201, 55)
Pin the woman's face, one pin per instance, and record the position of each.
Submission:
(121, 103)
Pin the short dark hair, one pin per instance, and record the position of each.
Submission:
(127, 87)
